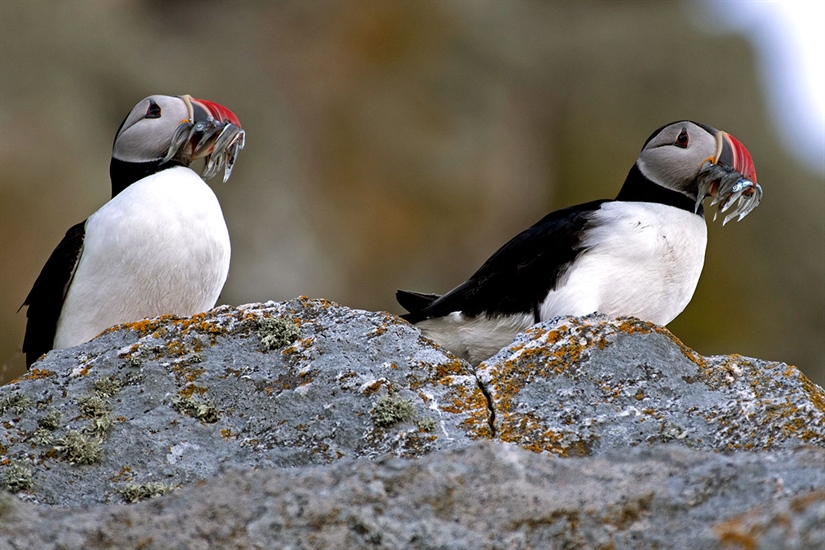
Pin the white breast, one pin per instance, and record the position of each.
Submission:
(644, 260)
(160, 246)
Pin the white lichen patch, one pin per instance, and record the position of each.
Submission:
(177, 451)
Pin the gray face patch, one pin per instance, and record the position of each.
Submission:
(148, 130)
(162, 128)
(677, 167)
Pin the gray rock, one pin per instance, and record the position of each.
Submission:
(304, 424)
(489, 495)
(576, 386)
(167, 402)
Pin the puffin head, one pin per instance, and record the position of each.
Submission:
(699, 161)
(163, 131)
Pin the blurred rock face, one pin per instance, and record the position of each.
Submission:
(393, 144)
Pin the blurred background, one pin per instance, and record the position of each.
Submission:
(397, 144)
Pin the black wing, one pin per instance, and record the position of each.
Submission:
(45, 300)
(519, 275)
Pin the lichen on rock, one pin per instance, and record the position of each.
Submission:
(277, 332)
(392, 409)
(17, 477)
(134, 492)
(79, 448)
(177, 401)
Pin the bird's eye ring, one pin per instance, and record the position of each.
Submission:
(153, 111)
(682, 140)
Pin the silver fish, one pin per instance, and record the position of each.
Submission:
(734, 192)
(218, 143)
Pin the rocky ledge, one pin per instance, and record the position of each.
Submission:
(305, 424)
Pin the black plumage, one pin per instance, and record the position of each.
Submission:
(45, 300)
(518, 276)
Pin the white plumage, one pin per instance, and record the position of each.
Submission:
(643, 260)
(159, 246)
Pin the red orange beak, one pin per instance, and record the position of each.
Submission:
(731, 153)
(203, 108)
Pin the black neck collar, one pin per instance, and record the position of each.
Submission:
(638, 188)
(123, 174)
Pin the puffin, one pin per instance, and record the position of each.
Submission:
(159, 246)
(640, 254)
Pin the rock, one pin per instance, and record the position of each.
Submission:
(577, 386)
(168, 402)
(305, 424)
(489, 495)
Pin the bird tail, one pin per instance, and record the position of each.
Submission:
(415, 303)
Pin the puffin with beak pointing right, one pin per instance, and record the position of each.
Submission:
(159, 246)
(638, 255)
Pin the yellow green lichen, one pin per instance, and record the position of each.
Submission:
(559, 349)
(93, 406)
(473, 404)
(79, 448)
(41, 436)
(17, 477)
(392, 409)
(814, 392)
(277, 332)
(107, 386)
(98, 426)
(51, 420)
(15, 402)
(134, 492)
(198, 408)
(425, 424)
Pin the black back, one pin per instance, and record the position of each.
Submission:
(45, 300)
(519, 275)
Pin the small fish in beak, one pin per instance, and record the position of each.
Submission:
(730, 178)
(211, 132)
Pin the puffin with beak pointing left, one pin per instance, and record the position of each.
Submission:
(638, 255)
(159, 246)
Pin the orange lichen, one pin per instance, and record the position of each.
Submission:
(298, 346)
(377, 331)
(814, 392)
(473, 404)
(375, 386)
(125, 474)
(190, 390)
(743, 531)
(37, 374)
(186, 373)
(551, 353)
(182, 332)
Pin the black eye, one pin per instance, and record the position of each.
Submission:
(153, 111)
(682, 140)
